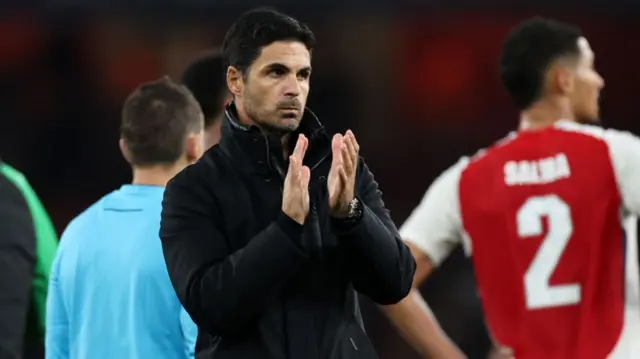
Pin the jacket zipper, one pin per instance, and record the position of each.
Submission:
(273, 163)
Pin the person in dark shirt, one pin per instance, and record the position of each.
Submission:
(205, 78)
(28, 242)
(271, 235)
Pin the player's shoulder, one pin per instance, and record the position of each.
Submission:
(588, 130)
(571, 129)
(15, 176)
(452, 174)
(484, 155)
(616, 140)
(84, 222)
(608, 135)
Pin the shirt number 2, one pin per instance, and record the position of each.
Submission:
(539, 293)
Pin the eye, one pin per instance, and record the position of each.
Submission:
(276, 72)
(304, 75)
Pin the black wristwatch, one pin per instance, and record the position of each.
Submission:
(354, 209)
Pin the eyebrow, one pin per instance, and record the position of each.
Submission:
(279, 66)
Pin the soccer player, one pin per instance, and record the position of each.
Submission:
(28, 243)
(540, 212)
(110, 295)
(206, 79)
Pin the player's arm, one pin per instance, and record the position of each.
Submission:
(57, 320)
(431, 232)
(624, 149)
(17, 261)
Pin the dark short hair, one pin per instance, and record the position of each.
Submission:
(205, 78)
(157, 117)
(527, 53)
(259, 28)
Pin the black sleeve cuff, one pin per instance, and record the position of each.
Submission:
(290, 227)
(345, 226)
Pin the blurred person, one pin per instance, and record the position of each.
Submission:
(271, 235)
(540, 213)
(110, 295)
(28, 243)
(205, 77)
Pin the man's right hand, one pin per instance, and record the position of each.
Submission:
(295, 194)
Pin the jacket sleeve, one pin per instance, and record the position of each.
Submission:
(381, 265)
(219, 289)
(17, 261)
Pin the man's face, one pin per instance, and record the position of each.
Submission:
(275, 89)
(587, 86)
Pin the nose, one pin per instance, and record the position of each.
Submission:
(292, 86)
(600, 81)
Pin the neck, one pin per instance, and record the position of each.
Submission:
(545, 113)
(155, 175)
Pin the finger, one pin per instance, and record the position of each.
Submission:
(347, 158)
(300, 148)
(296, 149)
(350, 142)
(294, 167)
(352, 145)
(336, 149)
(305, 142)
(343, 177)
(305, 175)
(352, 138)
(353, 152)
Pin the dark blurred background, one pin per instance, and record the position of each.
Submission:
(416, 81)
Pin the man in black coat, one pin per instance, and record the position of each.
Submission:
(270, 235)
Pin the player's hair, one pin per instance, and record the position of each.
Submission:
(259, 28)
(205, 78)
(157, 118)
(527, 53)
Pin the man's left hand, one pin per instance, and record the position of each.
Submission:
(342, 175)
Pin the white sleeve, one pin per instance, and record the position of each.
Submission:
(624, 149)
(434, 226)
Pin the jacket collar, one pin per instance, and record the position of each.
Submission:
(255, 151)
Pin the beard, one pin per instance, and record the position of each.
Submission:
(285, 117)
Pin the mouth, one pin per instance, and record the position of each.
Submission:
(289, 112)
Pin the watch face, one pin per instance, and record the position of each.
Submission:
(354, 208)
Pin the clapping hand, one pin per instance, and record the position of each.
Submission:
(295, 193)
(342, 175)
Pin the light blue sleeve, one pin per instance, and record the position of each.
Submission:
(57, 322)
(189, 333)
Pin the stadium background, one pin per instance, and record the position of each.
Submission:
(416, 83)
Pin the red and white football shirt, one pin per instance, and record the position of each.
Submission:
(541, 213)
